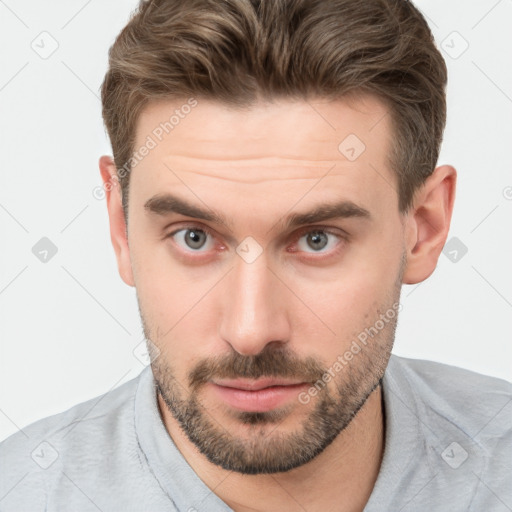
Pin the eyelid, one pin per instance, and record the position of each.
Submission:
(298, 233)
(199, 227)
(341, 233)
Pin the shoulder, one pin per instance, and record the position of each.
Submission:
(466, 397)
(32, 458)
(85, 415)
(461, 420)
(455, 403)
(452, 384)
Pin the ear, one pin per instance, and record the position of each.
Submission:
(118, 231)
(427, 223)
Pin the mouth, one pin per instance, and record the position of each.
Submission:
(259, 395)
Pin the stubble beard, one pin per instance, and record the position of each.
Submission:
(264, 448)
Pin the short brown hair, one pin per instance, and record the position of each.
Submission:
(239, 51)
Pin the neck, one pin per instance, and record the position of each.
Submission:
(343, 475)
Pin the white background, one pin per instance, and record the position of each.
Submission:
(69, 327)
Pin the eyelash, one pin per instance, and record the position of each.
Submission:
(342, 236)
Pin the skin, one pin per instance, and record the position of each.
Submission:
(255, 167)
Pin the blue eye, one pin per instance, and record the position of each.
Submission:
(317, 240)
(192, 239)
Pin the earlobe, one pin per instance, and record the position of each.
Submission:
(428, 222)
(118, 234)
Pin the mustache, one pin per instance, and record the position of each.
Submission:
(270, 362)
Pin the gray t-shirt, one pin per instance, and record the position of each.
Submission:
(448, 447)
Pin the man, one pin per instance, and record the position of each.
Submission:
(274, 183)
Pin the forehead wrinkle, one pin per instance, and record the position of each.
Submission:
(256, 180)
(306, 170)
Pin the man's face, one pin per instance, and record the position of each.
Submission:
(252, 306)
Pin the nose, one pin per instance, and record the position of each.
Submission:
(254, 308)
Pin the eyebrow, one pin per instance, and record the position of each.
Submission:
(164, 204)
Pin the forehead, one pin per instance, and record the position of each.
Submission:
(339, 146)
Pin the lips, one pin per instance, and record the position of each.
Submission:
(255, 385)
(258, 395)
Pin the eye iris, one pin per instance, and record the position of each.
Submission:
(195, 238)
(318, 239)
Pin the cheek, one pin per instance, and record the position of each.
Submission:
(160, 281)
(347, 299)
(177, 306)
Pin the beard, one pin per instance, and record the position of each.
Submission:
(264, 448)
